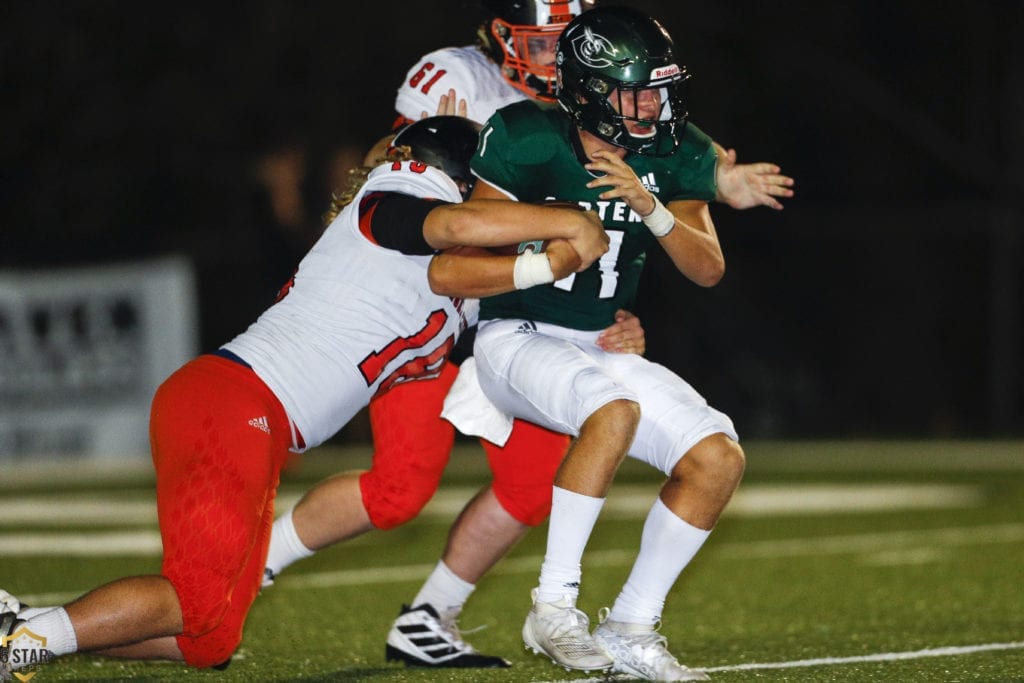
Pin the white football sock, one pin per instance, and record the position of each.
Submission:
(285, 545)
(55, 626)
(444, 589)
(573, 516)
(666, 546)
(32, 612)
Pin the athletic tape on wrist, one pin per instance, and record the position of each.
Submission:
(532, 269)
(660, 221)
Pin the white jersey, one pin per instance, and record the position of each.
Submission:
(358, 318)
(472, 74)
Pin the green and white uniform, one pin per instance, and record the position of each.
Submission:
(536, 352)
(525, 151)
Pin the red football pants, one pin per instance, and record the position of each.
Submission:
(219, 439)
(412, 445)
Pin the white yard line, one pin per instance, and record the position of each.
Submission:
(949, 651)
(868, 545)
(630, 501)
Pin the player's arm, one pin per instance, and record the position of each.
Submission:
(494, 222)
(474, 272)
(684, 228)
(691, 241)
(537, 221)
(390, 219)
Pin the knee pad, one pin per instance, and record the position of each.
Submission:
(411, 444)
(390, 500)
(524, 470)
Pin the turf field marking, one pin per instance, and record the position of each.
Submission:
(148, 543)
(58, 544)
(951, 651)
(872, 543)
(629, 501)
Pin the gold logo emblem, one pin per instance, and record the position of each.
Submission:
(25, 650)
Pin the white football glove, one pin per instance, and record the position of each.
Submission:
(9, 603)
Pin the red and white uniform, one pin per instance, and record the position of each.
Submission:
(357, 318)
(472, 74)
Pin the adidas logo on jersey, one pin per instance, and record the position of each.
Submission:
(260, 423)
(528, 327)
(649, 182)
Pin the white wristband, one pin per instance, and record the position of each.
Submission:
(532, 269)
(660, 221)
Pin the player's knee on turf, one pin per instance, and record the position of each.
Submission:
(204, 653)
(389, 502)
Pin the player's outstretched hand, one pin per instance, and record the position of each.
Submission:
(744, 186)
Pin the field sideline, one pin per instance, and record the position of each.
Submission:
(837, 561)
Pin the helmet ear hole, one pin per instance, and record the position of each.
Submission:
(597, 85)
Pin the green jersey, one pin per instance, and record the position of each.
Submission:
(527, 150)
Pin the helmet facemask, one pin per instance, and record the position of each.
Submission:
(528, 56)
(643, 118)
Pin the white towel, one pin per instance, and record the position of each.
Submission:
(472, 413)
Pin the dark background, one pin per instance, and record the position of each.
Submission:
(885, 300)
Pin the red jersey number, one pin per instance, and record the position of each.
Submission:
(422, 73)
(425, 365)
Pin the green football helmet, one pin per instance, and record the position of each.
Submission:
(618, 79)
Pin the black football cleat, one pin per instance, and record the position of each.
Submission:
(420, 637)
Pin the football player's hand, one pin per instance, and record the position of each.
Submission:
(625, 336)
(449, 105)
(9, 603)
(591, 241)
(621, 181)
(563, 258)
(743, 186)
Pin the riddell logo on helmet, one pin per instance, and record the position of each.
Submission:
(664, 72)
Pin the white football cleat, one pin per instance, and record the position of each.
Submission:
(639, 650)
(562, 632)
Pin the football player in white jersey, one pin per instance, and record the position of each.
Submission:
(512, 61)
(359, 316)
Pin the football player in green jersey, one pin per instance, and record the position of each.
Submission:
(619, 144)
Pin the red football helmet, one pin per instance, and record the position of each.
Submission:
(521, 35)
